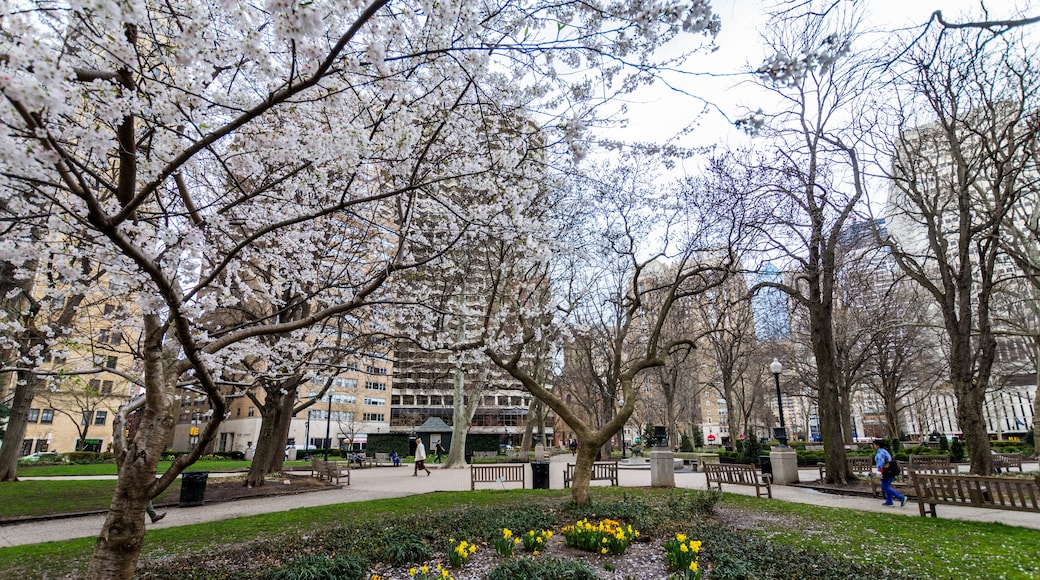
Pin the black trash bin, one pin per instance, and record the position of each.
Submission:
(193, 488)
(539, 475)
(766, 465)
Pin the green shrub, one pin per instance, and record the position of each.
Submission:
(957, 449)
(548, 568)
(322, 567)
(944, 444)
(404, 549)
(695, 503)
(685, 444)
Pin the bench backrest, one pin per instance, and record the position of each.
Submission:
(732, 473)
(600, 470)
(925, 461)
(1014, 493)
(1007, 460)
(859, 464)
(494, 472)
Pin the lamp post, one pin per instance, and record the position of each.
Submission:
(328, 427)
(623, 456)
(775, 367)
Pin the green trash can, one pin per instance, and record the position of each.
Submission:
(193, 488)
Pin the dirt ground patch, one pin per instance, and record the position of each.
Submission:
(219, 489)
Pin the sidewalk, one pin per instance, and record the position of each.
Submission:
(389, 482)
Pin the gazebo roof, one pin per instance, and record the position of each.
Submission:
(434, 425)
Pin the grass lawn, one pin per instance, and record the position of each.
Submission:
(110, 468)
(745, 537)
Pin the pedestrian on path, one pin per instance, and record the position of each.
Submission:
(439, 452)
(420, 458)
(887, 471)
(152, 514)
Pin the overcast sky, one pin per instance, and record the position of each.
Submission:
(658, 112)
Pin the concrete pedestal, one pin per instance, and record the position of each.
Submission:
(539, 452)
(662, 468)
(785, 465)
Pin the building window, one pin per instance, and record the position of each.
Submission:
(374, 417)
(375, 401)
(252, 411)
(374, 370)
(375, 386)
(106, 387)
(87, 416)
(47, 416)
(94, 385)
(109, 309)
(111, 362)
(100, 417)
(34, 415)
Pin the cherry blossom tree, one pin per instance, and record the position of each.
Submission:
(211, 154)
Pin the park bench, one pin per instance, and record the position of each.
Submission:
(1005, 461)
(738, 474)
(382, 459)
(499, 473)
(601, 471)
(330, 470)
(1003, 493)
(814, 447)
(485, 454)
(935, 464)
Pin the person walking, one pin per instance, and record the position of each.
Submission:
(887, 471)
(420, 458)
(152, 514)
(439, 451)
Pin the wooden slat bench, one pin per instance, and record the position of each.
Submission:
(860, 465)
(498, 473)
(601, 471)
(1003, 493)
(932, 464)
(382, 459)
(1005, 461)
(739, 474)
(331, 471)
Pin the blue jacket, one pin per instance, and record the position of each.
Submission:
(881, 458)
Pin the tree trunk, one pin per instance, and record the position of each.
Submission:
(462, 412)
(270, 447)
(119, 545)
(24, 391)
(830, 403)
(1036, 400)
(583, 472)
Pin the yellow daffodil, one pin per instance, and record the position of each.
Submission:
(683, 548)
(411, 571)
(680, 538)
(472, 548)
(695, 545)
(425, 569)
(604, 550)
(693, 566)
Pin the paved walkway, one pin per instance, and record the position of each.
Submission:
(388, 482)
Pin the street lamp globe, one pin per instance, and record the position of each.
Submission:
(775, 367)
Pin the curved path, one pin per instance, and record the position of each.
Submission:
(388, 482)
